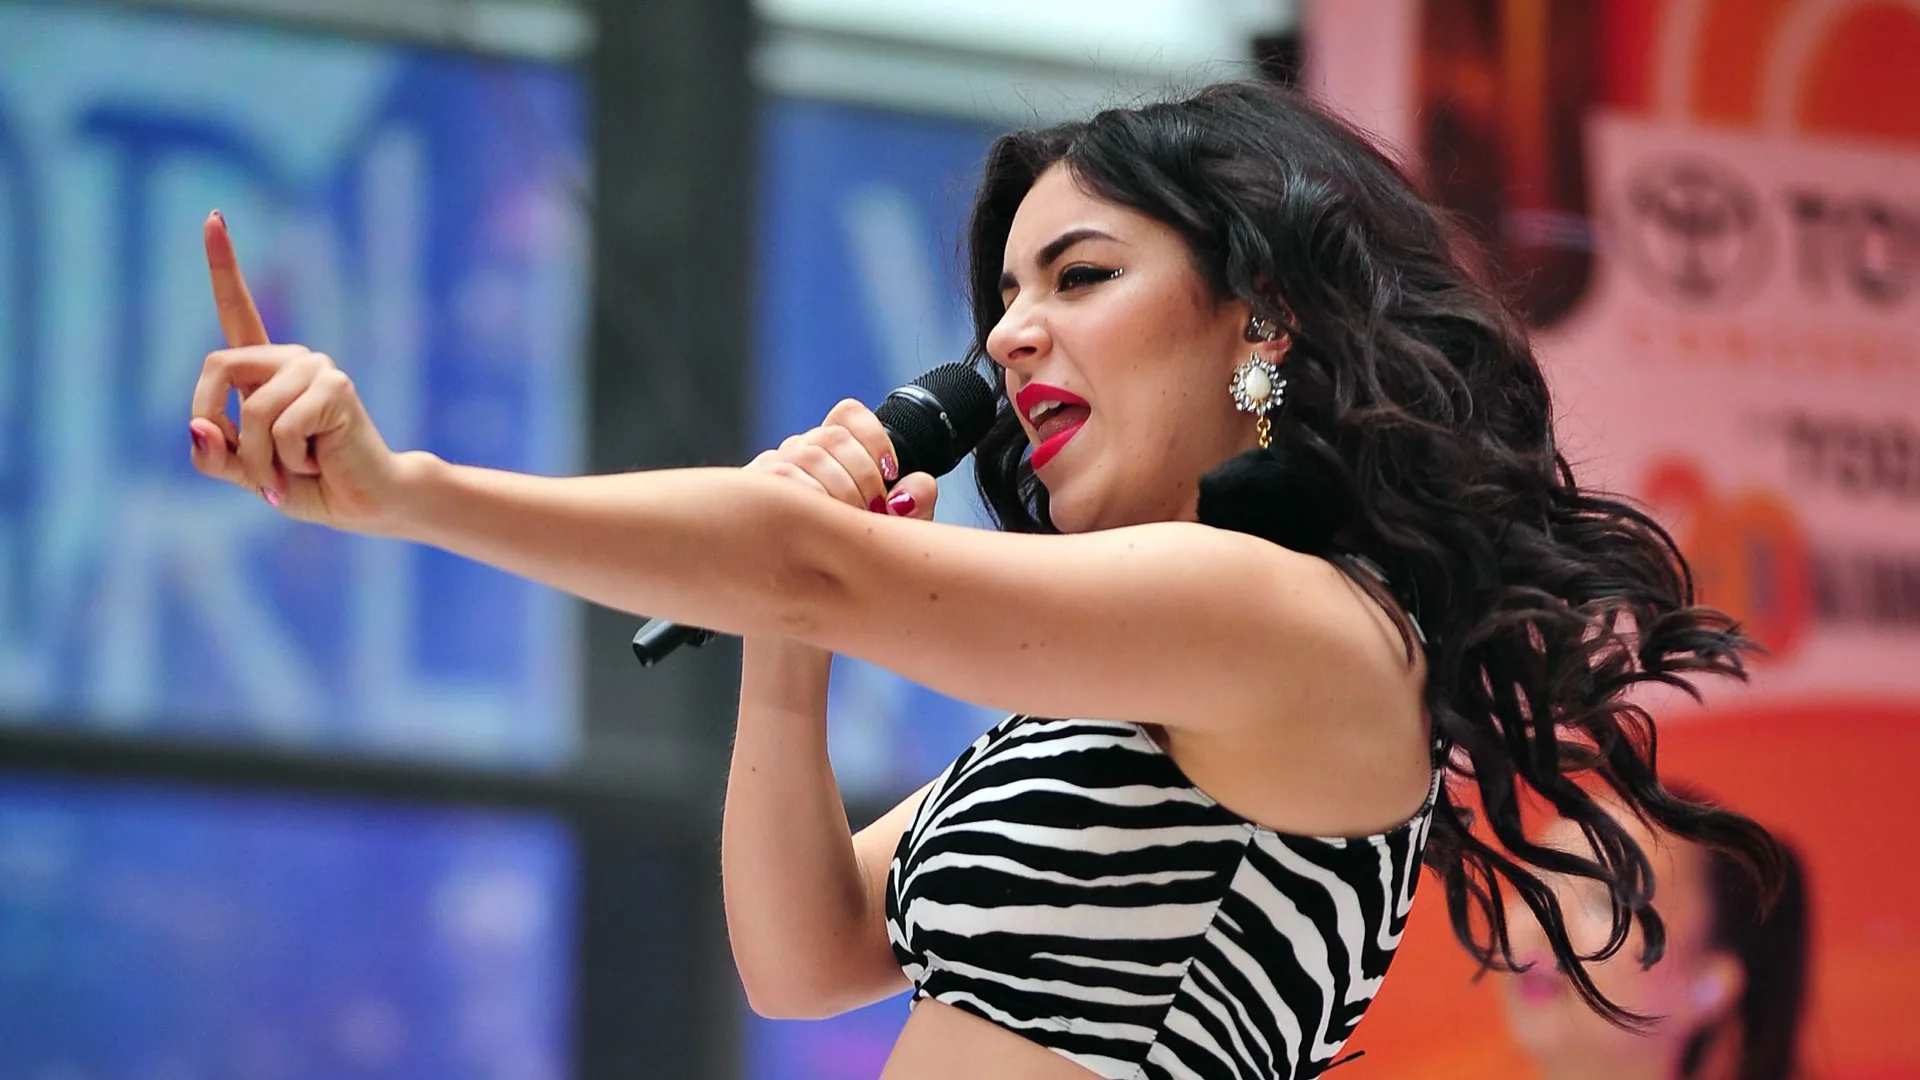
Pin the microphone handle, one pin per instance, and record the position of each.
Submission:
(657, 638)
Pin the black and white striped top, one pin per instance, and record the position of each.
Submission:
(1065, 880)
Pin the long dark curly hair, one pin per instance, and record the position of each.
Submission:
(1417, 433)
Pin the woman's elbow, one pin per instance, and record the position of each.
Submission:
(789, 999)
(780, 1008)
(814, 981)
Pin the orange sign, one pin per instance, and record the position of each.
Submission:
(1748, 553)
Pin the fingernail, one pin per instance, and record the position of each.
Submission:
(901, 503)
(199, 440)
(888, 467)
(272, 497)
(878, 505)
(219, 217)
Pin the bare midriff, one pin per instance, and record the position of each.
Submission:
(941, 1042)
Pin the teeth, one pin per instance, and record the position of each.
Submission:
(1042, 409)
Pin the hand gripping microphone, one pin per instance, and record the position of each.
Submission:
(934, 421)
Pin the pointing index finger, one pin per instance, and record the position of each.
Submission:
(239, 319)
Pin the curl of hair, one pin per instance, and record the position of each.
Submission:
(1417, 410)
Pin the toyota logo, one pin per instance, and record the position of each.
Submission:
(1693, 230)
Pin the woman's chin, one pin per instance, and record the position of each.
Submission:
(1065, 520)
(1070, 514)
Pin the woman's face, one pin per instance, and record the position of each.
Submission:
(1692, 985)
(1107, 318)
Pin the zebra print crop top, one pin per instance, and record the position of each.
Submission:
(1066, 881)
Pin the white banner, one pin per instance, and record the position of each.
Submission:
(1748, 363)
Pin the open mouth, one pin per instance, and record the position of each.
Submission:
(1056, 431)
(1056, 416)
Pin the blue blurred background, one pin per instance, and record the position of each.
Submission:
(148, 931)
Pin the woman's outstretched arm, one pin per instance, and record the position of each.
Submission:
(1169, 623)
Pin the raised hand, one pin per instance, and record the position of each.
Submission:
(303, 440)
(850, 458)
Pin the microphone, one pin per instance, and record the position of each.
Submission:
(934, 421)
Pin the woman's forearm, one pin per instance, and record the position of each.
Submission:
(713, 547)
(797, 899)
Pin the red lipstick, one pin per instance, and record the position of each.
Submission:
(1058, 425)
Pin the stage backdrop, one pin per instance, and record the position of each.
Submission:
(1709, 211)
(410, 212)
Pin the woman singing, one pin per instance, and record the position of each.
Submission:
(1284, 541)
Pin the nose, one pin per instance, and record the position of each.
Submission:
(1018, 338)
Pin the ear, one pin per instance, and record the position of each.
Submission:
(1276, 352)
(1718, 986)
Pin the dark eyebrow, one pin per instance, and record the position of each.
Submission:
(1057, 247)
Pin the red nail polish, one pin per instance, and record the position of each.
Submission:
(220, 217)
(272, 497)
(901, 503)
(199, 440)
(888, 467)
(878, 505)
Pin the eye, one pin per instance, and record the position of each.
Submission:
(1080, 276)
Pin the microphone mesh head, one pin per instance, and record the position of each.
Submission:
(968, 398)
(933, 438)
